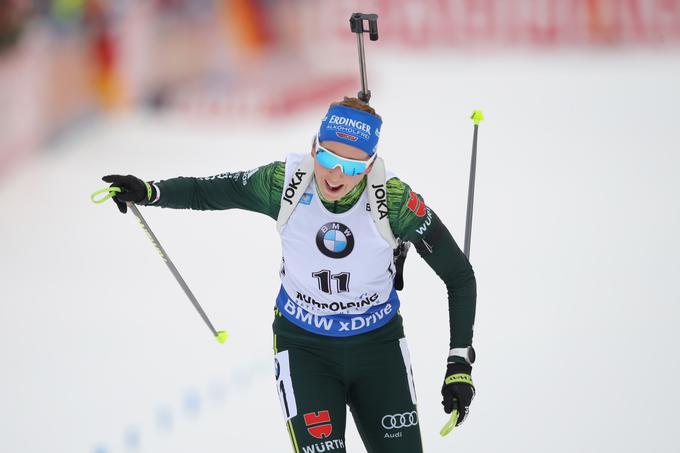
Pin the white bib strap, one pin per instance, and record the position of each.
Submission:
(377, 199)
(293, 190)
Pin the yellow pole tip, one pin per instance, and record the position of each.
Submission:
(477, 116)
(221, 336)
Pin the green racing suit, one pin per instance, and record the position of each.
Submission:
(369, 372)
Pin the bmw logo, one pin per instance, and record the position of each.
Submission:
(335, 240)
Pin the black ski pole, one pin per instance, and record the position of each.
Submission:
(220, 335)
(477, 117)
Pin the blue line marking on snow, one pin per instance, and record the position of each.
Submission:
(191, 402)
(132, 438)
(164, 418)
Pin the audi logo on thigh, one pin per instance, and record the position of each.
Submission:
(398, 421)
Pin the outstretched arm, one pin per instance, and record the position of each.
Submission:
(257, 190)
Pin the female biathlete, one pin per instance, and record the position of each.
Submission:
(338, 334)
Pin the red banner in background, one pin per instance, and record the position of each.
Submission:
(504, 23)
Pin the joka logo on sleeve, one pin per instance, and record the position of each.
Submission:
(319, 424)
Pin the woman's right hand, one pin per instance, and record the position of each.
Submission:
(132, 189)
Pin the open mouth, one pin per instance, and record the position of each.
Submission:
(333, 188)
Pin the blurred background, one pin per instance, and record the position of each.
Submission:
(575, 242)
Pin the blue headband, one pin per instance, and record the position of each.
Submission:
(351, 126)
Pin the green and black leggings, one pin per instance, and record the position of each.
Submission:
(317, 377)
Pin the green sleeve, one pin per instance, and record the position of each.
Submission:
(413, 221)
(257, 190)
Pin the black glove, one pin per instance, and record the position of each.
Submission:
(133, 189)
(458, 390)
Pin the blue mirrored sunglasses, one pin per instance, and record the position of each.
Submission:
(330, 160)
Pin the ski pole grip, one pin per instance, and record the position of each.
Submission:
(356, 23)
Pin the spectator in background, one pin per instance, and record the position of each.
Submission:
(13, 16)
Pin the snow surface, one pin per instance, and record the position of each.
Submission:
(575, 247)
